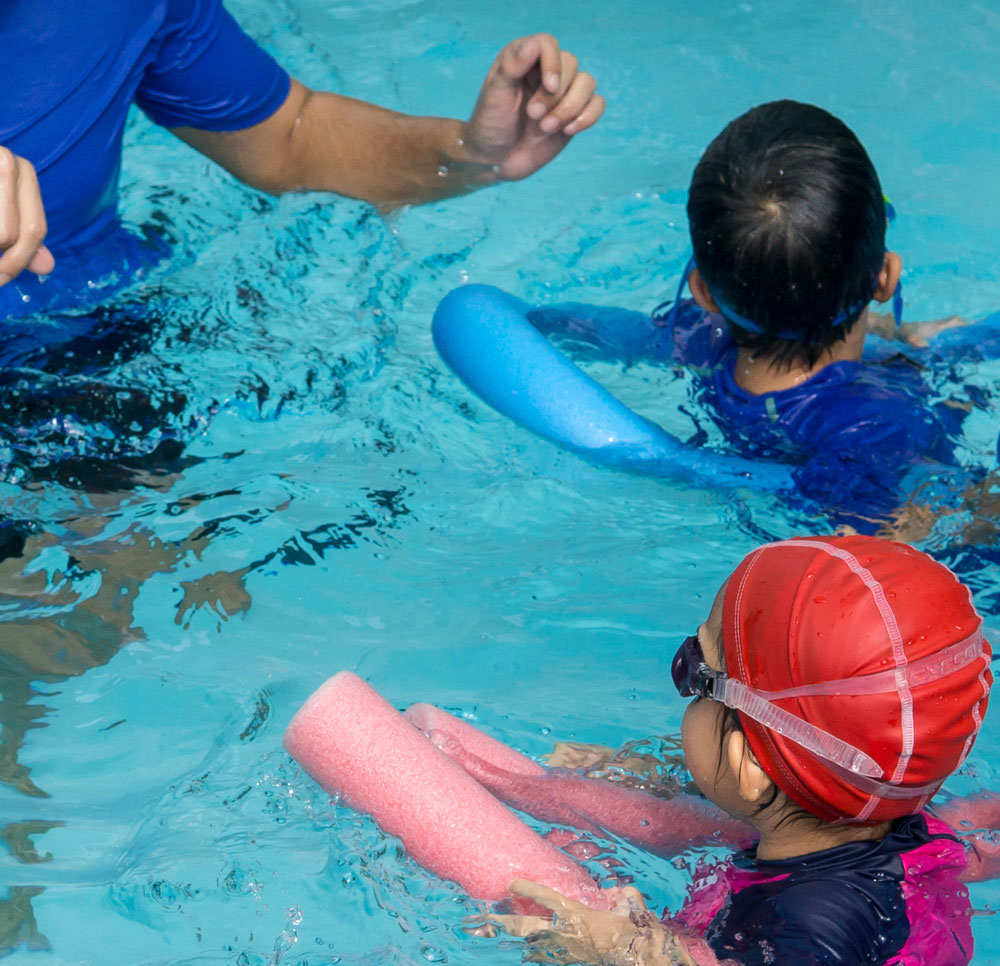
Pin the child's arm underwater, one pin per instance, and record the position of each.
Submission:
(629, 934)
(609, 333)
(916, 334)
(975, 819)
(557, 795)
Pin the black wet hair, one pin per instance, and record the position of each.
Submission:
(788, 222)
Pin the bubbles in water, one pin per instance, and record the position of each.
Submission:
(238, 882)
(288, 937)
(443, 171)
(432, 954)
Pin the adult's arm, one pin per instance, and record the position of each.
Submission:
(22, 219)
(534, 99)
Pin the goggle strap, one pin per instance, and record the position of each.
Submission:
(733, 694)
(897, 304)
(670, 319)
(917, 673)
(884, 789)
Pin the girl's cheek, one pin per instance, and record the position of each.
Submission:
(700, 741)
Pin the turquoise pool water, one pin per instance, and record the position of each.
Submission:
(335, 499)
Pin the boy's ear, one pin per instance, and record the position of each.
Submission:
(751, 780)
(888, 278)
(701, 293)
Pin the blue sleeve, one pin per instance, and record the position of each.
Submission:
(860, 488)
(208, 73)
(698, 338)
(872, 445)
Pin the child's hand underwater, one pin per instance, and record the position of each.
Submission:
(627, 935)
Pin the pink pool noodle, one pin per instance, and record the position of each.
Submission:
(660, 825)
(432, 721)
(354, 743)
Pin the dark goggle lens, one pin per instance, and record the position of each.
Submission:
(684, 668)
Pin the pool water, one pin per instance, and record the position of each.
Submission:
(286, 482)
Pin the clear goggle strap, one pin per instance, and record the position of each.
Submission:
(923, 671)
(758, 706)
(890, 790)
(734, 694)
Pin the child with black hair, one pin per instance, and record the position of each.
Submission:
(788, 225)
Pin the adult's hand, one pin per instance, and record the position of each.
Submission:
(22, 220)
(534, 99)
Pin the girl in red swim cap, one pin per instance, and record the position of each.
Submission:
(838, 681)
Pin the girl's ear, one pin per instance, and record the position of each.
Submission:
(888, 278)
(751, 780)
(701, 293)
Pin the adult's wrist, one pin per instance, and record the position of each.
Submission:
(462, 159)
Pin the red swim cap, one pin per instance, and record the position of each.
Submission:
(818, 609)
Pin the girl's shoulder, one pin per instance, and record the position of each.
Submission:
(858, 903)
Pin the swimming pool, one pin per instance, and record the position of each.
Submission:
(340, 501)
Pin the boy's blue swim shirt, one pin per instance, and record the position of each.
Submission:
(853, 430)
(72, 70)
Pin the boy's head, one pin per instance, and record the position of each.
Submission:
(836, 612)
(787, 221)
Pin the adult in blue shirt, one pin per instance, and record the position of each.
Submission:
(72, 72)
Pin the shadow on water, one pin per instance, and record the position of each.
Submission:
(96, 413)
(67, 592)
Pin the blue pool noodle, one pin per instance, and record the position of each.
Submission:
(485, 337)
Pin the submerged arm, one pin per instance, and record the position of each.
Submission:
(662, 826)
(975, 818)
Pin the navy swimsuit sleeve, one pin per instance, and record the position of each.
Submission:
(208, 73)
(809, 924)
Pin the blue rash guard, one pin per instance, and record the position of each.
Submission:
(852, 432)
(71, 72)
(898, 901)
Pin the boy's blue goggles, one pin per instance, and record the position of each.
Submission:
(748, 325)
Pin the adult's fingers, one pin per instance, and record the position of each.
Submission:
(42, 262)
(545, 96)
(522, 55)
(587, 117)
(553, 955)
(629, 897)
(22, 219)
(571, 105)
